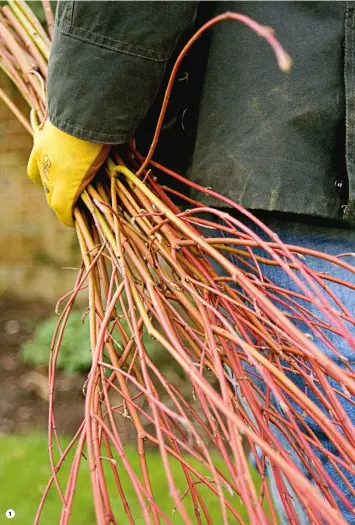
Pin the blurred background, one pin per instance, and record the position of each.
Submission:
(36, 253)
(34, 249)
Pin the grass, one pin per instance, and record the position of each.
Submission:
(24, 472)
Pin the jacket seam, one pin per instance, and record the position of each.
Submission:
(71, 14)
(105, 43)
(161, 56)
(64, 22)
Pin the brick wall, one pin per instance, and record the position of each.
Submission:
(34, 246)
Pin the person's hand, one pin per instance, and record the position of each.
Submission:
(64, 166)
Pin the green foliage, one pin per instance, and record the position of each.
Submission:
(38, 10)
(36, 7)
(25, 470)
(75, 353)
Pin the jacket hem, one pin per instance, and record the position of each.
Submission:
(86, 134)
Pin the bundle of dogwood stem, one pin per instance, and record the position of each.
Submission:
(258, 358)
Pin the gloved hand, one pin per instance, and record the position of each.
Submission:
(64, 166)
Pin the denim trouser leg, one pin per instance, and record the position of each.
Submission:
(332, 240)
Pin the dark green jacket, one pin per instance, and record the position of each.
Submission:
(268, 140)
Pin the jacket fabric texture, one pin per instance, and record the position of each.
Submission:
(268, 140)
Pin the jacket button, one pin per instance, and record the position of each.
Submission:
(338, 185)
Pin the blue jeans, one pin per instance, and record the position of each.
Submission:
(332, 240)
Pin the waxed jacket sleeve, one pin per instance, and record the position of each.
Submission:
(107, 63)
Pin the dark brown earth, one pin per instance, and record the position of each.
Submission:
(23, 389)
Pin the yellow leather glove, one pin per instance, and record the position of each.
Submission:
(64, 166)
